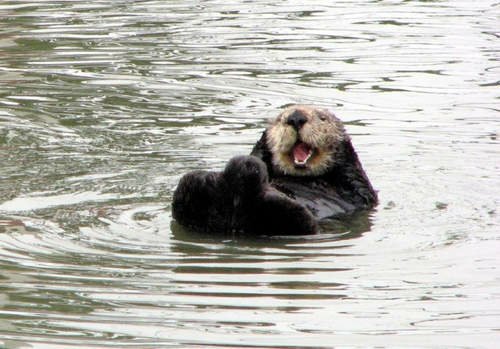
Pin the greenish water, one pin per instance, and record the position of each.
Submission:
(105, 104)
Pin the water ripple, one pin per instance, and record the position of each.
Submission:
(105, 104)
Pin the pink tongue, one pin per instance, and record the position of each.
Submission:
(301, 151)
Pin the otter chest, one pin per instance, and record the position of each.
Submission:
(320, 197)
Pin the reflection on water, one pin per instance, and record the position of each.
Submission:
(105, 104)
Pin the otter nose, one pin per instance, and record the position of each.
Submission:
(296, 119)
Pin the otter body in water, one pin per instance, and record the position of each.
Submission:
(302, 170)
(310, 158)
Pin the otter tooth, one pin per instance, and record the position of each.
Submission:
(302, 163)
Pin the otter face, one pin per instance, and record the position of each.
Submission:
(303, 140)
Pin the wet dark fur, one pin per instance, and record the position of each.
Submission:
(264, 194)
(342, 190)
(238, 200)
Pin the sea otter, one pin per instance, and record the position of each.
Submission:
(301, 171)
(310, 158)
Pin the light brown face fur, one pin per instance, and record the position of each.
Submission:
(322, 132)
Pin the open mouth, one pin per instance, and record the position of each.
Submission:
(301, 153)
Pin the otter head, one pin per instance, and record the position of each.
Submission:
(303, 140)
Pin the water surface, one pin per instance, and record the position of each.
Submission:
(105, 104)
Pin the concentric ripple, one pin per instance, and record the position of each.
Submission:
(105, 104)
